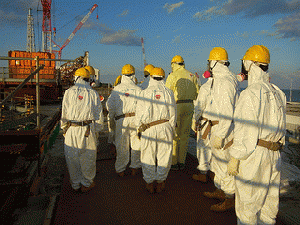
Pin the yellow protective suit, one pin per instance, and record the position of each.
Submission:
(185, 86)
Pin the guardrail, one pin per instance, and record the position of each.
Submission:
(36, 72)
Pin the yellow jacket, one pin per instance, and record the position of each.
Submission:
(184, 84)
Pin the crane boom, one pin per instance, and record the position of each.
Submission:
(77, 28)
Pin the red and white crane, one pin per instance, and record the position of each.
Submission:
(46, 36)
(74, 32)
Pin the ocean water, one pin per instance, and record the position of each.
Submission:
(295, 95)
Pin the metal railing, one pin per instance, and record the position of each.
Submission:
(36, 72)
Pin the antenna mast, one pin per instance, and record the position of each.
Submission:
(30, 33)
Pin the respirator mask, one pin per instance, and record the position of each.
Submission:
(243, 75)
(208, 72)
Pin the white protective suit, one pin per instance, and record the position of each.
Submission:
(123, 100)
(216, 101)
(156, 103)
(259, 114)
(81, 103)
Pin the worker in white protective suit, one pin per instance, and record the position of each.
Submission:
(92, 75)
(214, 110)
(259, 134)
(156, 119)
(121, 106)
(185, 87)
(81, 120)
(147, 71)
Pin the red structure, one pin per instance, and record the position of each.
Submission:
(46, 15)
(74, 32)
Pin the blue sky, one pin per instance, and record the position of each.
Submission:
(187, 28)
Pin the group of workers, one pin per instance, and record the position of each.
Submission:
(239, 134)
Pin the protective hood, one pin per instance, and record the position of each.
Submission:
(255, 74)
(80, 82)
(176, 67)
(128, 79)
(153, 82)
(219, 70)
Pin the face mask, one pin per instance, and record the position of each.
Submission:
(208, 72)
(243, 75)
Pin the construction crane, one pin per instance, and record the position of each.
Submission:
(46, 35)
(74, 32)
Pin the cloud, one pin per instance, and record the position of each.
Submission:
(177, 29)
(121, 37)
(14, 13)
(256, 8)
(171, 7)
(244, 35)
(207, 14)
(289, 26)
(12, 19)
(176, 40)
(124, 13)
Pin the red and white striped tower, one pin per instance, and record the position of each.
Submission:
(145, 63)
(47, 34)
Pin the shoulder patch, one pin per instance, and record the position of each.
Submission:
(80, 97)
(126, 94)
(157, 96)
(191, 75)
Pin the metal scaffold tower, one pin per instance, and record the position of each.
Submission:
(30, 33)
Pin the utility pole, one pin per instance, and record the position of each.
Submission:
(30, 33)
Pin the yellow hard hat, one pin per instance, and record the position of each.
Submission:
(258, 53)
(148, 69)
(128, 69)
(82, 72)
(177, 59)
(118, 80)
(90, 69)
(158, 72)
(218, 53)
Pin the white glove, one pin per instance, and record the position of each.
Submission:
(233, 166)
(216, 142)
